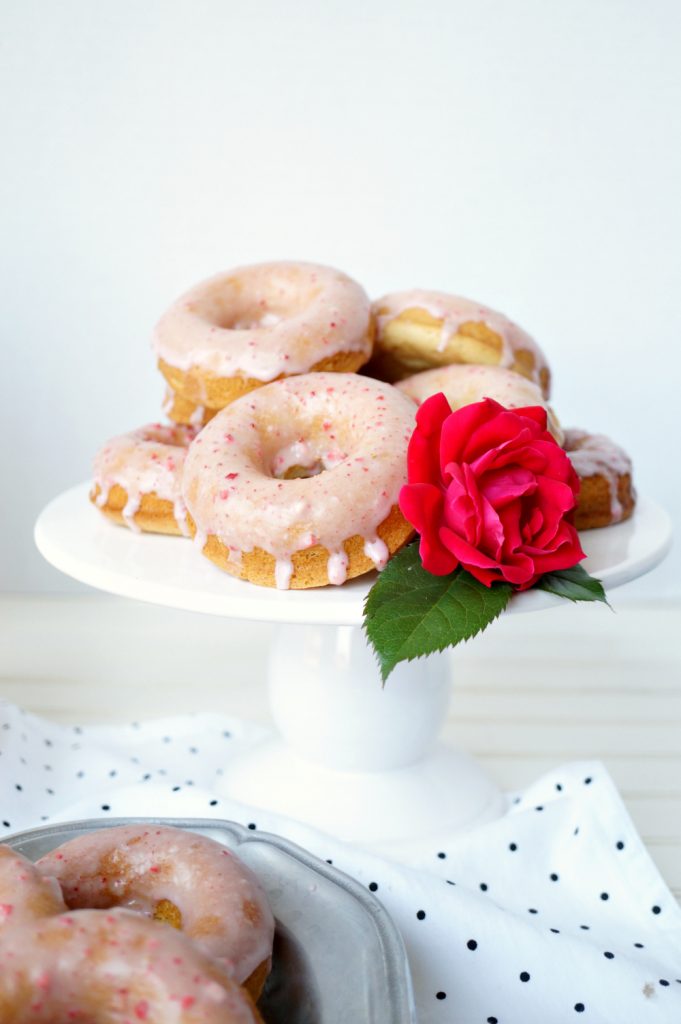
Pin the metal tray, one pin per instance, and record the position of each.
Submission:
(337, 955)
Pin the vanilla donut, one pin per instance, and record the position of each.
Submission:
(137, 478)
(606, 494)
(463, 385)
(113, 967)
(25, 893)
(187, 880)
(297, 484)
(184, 412)
(252, 325)
(418, 330)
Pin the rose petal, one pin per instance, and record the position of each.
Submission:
(422, 506)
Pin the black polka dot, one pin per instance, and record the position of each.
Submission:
(513, 847)
(212, 803)
(663, 981)
(442, 855)
(639, 945)
(252, 825)
(492, 1020)
(331, 862)
(531, 910)
(524, 976)
(106, 807)
(17, 786)
(576, 831)
(449, 881)
(656, 909)
(605, 896)
(540, 807)
(620, 845)
(483, 886)
(193, 750)
(420, 914)
(440, 995)
(559, 787)
(555, 931)
(373, 886)
(226, 734)
(6, 824)
(472, 944)
(588, 780)
(176, 789)
(113, 773)
(166, 739)
(584, 927)
(608, 955)
(553, 876)
(579, 1007)
(146, 776)
(516, 799)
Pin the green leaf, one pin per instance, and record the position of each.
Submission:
(409, 613)
(575, 584)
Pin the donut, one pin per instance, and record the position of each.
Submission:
(463, 385)
(606, 494)
(246, 327)
(25, 893)
(113, 967)
(184, 412)
(137, 478)
(296, 485)
(418, 330)
(189, 881)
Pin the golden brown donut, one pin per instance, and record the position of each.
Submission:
(419, 330)
(604, 469)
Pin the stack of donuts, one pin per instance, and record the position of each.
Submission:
(291, 401)
(132, 923)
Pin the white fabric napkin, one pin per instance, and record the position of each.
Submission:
(553, 913)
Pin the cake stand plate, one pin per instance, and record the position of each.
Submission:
(355, 759)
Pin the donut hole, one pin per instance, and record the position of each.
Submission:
(248, 303)
(302, 472)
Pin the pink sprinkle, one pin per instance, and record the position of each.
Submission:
(231, 476)
(154, 869)
(229, 438)
(6, 909)
(142, 1009)
(224, 495)
(326, 425)
(188, 1001)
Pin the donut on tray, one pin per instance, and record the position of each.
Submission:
(606, 494)
(418, 330)
(463, 385)
(249, 326)
(25, 894)
(138, 478)
(107, 967)
(187, 880)
(296, 485)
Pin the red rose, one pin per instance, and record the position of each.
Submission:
(490, 489)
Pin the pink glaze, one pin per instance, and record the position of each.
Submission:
(112, 967)
(223, 907)
(145, 461)
(597, 455)
(350, 431)
(25, 893)
(455, 311)
(465, 384)
(265, 320)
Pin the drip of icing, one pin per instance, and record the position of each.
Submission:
(283, 570)
(337, 567)
(199, 540)
(594, 455)
(196, 418)
(129, 512)
(377, 551)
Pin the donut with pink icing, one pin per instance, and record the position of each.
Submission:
(606, 493)
(138, 478)
(25, 893)
(110, 967)
(252, 325)
(296, 484)
(187, 880)
(465, 384)
(418, 330)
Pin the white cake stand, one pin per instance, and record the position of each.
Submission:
(355, 759)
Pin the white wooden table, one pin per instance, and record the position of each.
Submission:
(535, 691)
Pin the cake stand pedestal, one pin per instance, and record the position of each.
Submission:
(352, 758)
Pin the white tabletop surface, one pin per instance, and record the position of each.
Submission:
(535, 691)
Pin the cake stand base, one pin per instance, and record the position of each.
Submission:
(386, 810)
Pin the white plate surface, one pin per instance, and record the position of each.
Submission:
(81, 542)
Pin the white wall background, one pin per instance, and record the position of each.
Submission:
(524, 153)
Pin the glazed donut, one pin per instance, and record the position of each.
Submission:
(187, 880)
(463, 385)
(110, 967)
(25, 894)
(184, 412)
(252, 325)
(418, 330)
(606, 494)
(296, 485)
(137, 478)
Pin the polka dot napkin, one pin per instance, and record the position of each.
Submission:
(553, 913)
